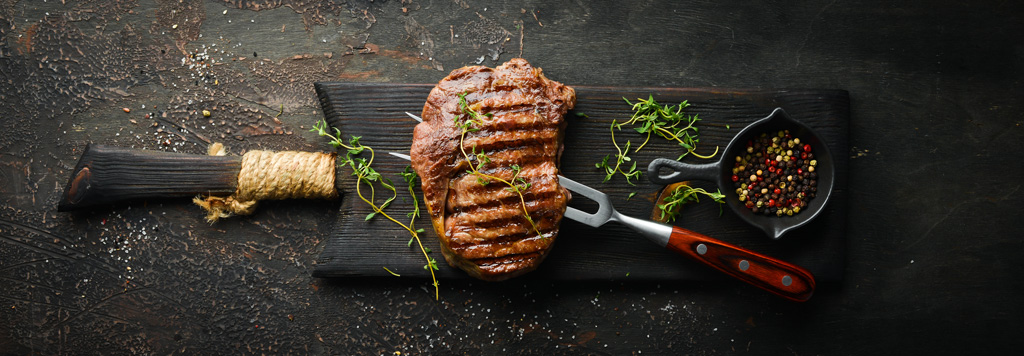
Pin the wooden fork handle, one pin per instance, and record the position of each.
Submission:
(778, 277)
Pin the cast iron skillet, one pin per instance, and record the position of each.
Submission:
(721, 173)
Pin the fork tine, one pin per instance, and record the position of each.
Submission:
(579, 215)
(401, 155)
(604, 210)
(577, 187)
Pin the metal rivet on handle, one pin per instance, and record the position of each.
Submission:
(744, 265)
(702, 249)
(787, 280)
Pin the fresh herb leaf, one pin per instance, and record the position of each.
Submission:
(671, 205)
(620, 157)
(651, 118)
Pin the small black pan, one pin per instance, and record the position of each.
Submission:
(721, 173)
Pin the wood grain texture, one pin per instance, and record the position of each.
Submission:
(777, 277)
(107, 174)
(376, 112)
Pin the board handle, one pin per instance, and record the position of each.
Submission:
(778, 277)
(107, 174)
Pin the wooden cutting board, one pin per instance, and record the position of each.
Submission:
(376, 112)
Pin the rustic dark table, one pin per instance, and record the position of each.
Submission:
(933, 263)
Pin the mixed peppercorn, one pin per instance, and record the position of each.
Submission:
(776, 175)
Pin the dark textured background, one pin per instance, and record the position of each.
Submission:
(936, 136)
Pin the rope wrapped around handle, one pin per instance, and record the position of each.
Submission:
(270, 175)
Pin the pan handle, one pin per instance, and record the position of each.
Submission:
(681, 171)
(778, 277)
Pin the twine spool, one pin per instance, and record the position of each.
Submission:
(269, 175)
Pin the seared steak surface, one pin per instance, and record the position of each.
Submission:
(481, 223)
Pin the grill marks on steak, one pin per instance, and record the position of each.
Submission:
(482, 228)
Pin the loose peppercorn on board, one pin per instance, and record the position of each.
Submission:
(376, 113)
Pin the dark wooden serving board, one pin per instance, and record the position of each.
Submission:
(376, 111)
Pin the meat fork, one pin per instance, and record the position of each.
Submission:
(776, 276)
(781, 278)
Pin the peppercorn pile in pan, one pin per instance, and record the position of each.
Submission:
(776, 176)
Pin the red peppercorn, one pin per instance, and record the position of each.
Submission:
(778, 191)
(803, 155)
(771, 203)
(771, 169)
(792, 158)
(807, 148)
(735, 178)
(767, 162)
(799, 171)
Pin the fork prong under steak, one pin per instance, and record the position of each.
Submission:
(482, 227)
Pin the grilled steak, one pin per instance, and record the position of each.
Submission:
(518, 126)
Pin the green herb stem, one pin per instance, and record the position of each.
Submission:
(682, 194)
(365, 174)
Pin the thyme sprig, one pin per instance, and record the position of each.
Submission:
(470, 121)
(409, 175)
(651, 118)
(362, 168)
(682, 194)
(622, 156)
(667, 121)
